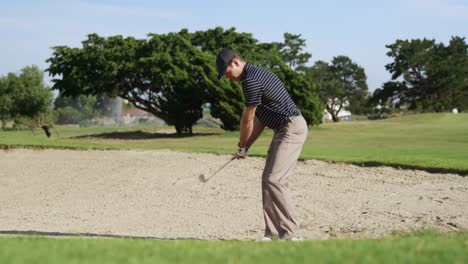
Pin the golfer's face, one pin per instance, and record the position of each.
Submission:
(233, 71)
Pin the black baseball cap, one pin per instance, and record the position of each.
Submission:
(223, 59)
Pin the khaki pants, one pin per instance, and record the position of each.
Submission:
(285, 148)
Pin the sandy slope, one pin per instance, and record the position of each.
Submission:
(158, 194)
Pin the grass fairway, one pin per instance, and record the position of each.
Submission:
(421, 247)
(427, 141)
(431, 141)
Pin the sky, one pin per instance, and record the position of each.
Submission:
(359, 29)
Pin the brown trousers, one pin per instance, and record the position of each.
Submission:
(285, 148)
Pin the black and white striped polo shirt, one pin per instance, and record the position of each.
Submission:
(265, 90)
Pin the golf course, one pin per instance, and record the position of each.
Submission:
(233, 132)
(392, 190)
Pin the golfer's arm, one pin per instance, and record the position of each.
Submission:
(246, 125)
(257, 131)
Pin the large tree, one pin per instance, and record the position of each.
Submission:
(171, 75)
(27, 99)
(165, 75)
(291, 51)
(448, 71)
(340, 83)
(409, 69)
(353, 80)
(6, 101)
(430, 76)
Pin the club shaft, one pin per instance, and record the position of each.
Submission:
(225, 164)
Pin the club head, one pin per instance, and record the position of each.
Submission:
(202, 178)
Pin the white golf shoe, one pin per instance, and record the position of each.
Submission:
(297, 239)
(264, 239)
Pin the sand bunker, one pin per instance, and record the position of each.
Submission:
(158, 194)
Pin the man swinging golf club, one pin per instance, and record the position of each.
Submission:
(268, 104)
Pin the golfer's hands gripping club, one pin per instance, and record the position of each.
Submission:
(241, 152)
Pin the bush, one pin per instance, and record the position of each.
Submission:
(68, 115)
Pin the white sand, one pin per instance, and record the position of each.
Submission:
(158, 194)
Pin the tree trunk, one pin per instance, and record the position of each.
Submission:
(335, 117)
(3, 121)
(182, 126)
(46, 130)
(333, 114)
(179, 129)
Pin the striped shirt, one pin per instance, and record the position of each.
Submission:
(264, 90)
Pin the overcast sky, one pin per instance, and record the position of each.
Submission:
(359, 29)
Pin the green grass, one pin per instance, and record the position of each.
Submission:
(426, 141)
(431, 141)
(421, 247)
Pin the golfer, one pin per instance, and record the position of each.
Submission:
(268, 104)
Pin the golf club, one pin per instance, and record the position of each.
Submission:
(202, 177)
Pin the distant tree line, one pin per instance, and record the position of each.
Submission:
(82, 109)
(26, 100)
(173, 75)
(426, 76)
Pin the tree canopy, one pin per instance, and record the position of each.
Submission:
(172, 75)
(339, 84)
(25, 97)
(291, 51)
(427, 76)
(164, 75)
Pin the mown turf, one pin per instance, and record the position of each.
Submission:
(431, 141)
(421, 247)
(426, 141)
